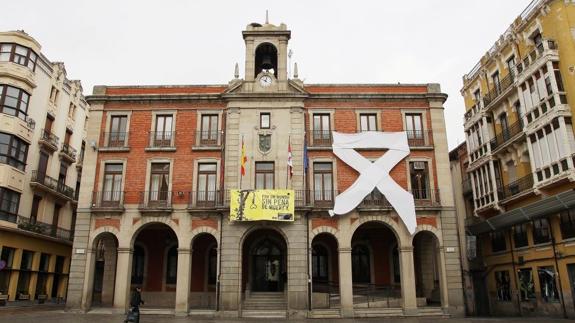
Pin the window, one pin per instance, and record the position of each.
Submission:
(321, 129)
(54, 95)
(368, 122)
(172, 266)
(44, 262)
(503, 285)
(264, 175)
(265, 120)
(67, 137)
(8, 257)
(112, 190)
(526, 284)
(72, 111)
(414, 129)
(14, 101)
(9, 204)
(496, 81)
(504, 125)
(138, 262)
(477, 95)
(206, 194)
(360, 264)
(63, 173)
(323, 182)
(13, 151)
(568, 224)
(162, 136)
(159, 182)
(209, 132)
(520, 235)
(118, 128)
(548, 284)
(511, 64)
(18, 54)
(25, 274)
(498, 241)
(35, 208)
(419, 177)
(319, 264)
(541, 231)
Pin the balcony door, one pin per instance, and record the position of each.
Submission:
(323, 183)
(206, 193)
(419, 177)
(118, 127)
(163, 132)
(414, 128)
(42, 166)
(112, 190)
(321, 129)
(209, 132)
(159, 183)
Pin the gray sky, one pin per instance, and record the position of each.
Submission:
(198, 42)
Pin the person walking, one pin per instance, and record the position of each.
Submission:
(135, 302)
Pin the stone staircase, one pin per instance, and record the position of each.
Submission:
(265, 305)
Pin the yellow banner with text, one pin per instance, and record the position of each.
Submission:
(262, 205)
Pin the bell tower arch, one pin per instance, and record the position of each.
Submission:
(266, 50)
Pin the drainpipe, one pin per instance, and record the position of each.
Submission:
(515, 273)
(219, 265)
(307, 257)
(558, 272)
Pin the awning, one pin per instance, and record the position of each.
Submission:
(549, 205)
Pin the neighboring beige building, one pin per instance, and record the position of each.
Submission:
(42, 119)
(521, 163)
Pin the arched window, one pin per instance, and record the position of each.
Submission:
(319, 263)
(172, 265)
(138, 265)
(360, 264)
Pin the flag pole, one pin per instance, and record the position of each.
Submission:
(288, 166)
(241, 161)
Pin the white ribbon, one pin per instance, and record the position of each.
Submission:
(374, 174)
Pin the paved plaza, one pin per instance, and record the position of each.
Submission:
(59, 316)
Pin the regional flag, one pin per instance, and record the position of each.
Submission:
(243, 159)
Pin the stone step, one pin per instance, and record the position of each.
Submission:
(378, 312)
(264, 314)
(324, 314)
(202, 313)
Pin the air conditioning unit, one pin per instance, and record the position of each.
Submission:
(419, 165)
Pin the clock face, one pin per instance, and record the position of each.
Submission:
(266, 80)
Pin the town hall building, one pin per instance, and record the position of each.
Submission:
(165, 165)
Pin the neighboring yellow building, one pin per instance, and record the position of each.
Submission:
(42, 118)
(521, 147)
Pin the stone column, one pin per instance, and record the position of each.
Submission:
(408, 280)
(443, 279)
(183, 283)
(88, 280)
(345, 282)
(123, 278)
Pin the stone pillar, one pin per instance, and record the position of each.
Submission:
(408, 280)
(443, 280)
(123, 278)
(183, 283)
(345, 282)
(88, 280)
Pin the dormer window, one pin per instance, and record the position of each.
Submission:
(18, 54)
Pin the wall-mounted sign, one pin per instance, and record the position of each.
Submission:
(374, 174)
(258, 205)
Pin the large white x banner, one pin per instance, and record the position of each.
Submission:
(374, 174)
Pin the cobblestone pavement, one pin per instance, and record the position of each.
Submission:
(58, 316)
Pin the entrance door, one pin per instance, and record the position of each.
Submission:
(268, 273)
(571, 273)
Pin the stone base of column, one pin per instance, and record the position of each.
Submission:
(347, 312)
(410, 311)
(181, 313)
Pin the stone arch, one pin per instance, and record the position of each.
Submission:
(399, 231)
(325, 229)
(432, 230)
(249, 231)
(95, 235)
(146, 221)
(201, 231)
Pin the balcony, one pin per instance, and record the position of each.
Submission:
(320, 139)
(108, 202)
(207, 200)
(52, 186)
(162, 141)
(68, 153)
(114, 141)
(44, 229)
(155, 202)
(516, 187)
(208, 140)
(420, 138)
(500, 88)
(48, 140)
(545, 48)
(546, 105)
(505, 137)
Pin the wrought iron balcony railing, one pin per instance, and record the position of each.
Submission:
(108, 200)
(52, 184)
(498, 89)
(115, 139)
(42, 228)
(503, 137)
(155, 200)
(162, 139)
(49, 139)
(521, 185)
(320, 138)
(419, 138)
(208, 138)
(69, 151)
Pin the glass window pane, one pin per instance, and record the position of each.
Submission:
(270, 181)
(207, 167)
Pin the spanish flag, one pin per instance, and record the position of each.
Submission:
(243, 159)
